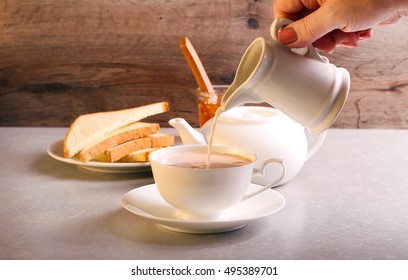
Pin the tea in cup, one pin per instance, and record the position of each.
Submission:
(205, 192)
(209, 102)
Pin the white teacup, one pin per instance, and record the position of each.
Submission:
(206, 193)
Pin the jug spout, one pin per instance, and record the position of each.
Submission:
(244, 88)
(240, 97)
(187, 134)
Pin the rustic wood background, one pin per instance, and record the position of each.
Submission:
(59, 59)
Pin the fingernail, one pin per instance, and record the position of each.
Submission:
(287, 36)
(349, 44)
(364, 35)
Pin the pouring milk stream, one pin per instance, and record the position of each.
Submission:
(299, 82)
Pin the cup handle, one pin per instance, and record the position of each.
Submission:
(260, 171)
(309, 51)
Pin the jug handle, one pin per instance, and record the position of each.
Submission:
(315, 145)
(309, 51)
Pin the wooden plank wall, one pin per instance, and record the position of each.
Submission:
(59, 59)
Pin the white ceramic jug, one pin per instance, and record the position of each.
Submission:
(300, 83)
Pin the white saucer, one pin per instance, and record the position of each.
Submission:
(146, 202)
(56, 151)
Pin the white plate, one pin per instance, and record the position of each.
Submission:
(56, 150)
(146, 202)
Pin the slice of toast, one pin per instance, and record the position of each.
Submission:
(91, 127)
(158, 140)
(138, 156)
(119, 136)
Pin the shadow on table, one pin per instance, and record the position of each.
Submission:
(133, 228)
(46, 165)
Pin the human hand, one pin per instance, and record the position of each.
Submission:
(328, 23)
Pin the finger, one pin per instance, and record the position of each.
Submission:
(329, 41)
(391, 20)
(349, 39)
(309, 29)
(325, 43)
(287, 9)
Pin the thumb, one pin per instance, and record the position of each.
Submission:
(307, 30)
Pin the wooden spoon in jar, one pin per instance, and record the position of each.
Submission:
(195, 65)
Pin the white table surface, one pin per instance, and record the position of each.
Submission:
(350, 201)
